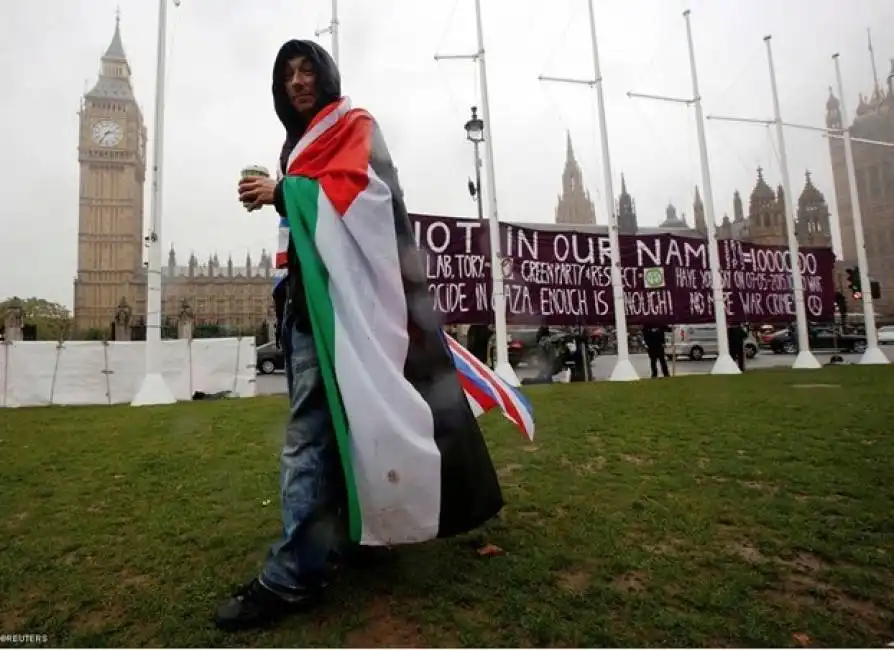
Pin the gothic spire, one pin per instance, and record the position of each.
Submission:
(627, 222)
(876, 95)
(810, 195)
(813, 220)
(738, 211)
(114, 75)
(762, 191)
(698, 210)
(115, 51)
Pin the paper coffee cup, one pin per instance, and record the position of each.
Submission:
(254, 170)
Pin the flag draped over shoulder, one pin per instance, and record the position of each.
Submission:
(415, 462)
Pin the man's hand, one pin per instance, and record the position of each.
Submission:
(256, 192)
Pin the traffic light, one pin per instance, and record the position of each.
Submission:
(853, 282)
(875, 290)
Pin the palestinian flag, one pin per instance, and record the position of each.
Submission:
(415, 462)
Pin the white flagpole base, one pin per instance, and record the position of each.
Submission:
(806, 361)
(874, 357)
(725, 366)
(154, 391)
(624, 371)
(506, 372)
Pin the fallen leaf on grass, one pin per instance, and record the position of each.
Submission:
(801, 638)
(490, 550)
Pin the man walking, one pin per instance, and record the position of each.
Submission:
(736, 336)
(478, 341)
(653, 337)
(305, 80)
(381, 445)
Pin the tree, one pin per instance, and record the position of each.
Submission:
(52, 320)
(94, 334)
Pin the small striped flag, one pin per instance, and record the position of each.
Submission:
(485, 390)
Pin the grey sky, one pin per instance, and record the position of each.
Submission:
(219, 114)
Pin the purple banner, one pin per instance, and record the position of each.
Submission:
(563, 277)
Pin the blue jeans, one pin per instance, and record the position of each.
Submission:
(311, 479)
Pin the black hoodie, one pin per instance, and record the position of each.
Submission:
(328, 90)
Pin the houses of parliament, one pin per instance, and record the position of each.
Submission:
(111, 274)
(764, 222)
(112, 156)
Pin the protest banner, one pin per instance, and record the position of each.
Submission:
(563, 277)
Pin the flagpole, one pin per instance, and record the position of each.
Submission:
(724, 364)
(154, 389)
(872, 58)
(624, 370)
(873, 354)
(805, 359)
(332, 30)
(502, 366)
(335, 43)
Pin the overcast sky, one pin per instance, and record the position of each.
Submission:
(219, 114)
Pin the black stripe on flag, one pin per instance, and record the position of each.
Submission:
(470, 490)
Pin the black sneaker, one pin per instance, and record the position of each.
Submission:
(256, 606)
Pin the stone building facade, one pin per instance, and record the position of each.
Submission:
(763, 224)
(111, 225)
(874, 166)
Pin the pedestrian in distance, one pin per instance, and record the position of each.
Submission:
(736, 335)
(653, 336)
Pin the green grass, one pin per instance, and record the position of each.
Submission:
(698, 511)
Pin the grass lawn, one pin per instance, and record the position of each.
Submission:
(706, 511)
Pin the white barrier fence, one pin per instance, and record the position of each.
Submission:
(43, 373)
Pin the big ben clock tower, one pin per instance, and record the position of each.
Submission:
(112, 156)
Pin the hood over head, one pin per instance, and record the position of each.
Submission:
(328, 83)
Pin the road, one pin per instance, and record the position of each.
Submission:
(603, 366)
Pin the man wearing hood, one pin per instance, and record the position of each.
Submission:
(305, 81)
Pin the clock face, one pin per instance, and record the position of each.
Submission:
(107, 133)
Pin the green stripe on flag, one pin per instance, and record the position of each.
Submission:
(301, 196)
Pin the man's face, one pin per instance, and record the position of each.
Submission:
(301, 85)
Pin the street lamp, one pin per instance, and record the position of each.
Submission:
(475, 135)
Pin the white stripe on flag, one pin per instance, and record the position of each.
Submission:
(397, 465)
(319, 129)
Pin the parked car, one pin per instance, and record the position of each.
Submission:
(699, 341)
(524, 350)
(270, 358)
(522, 345)
(886, 335)
(767, 334)
(821, 338)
